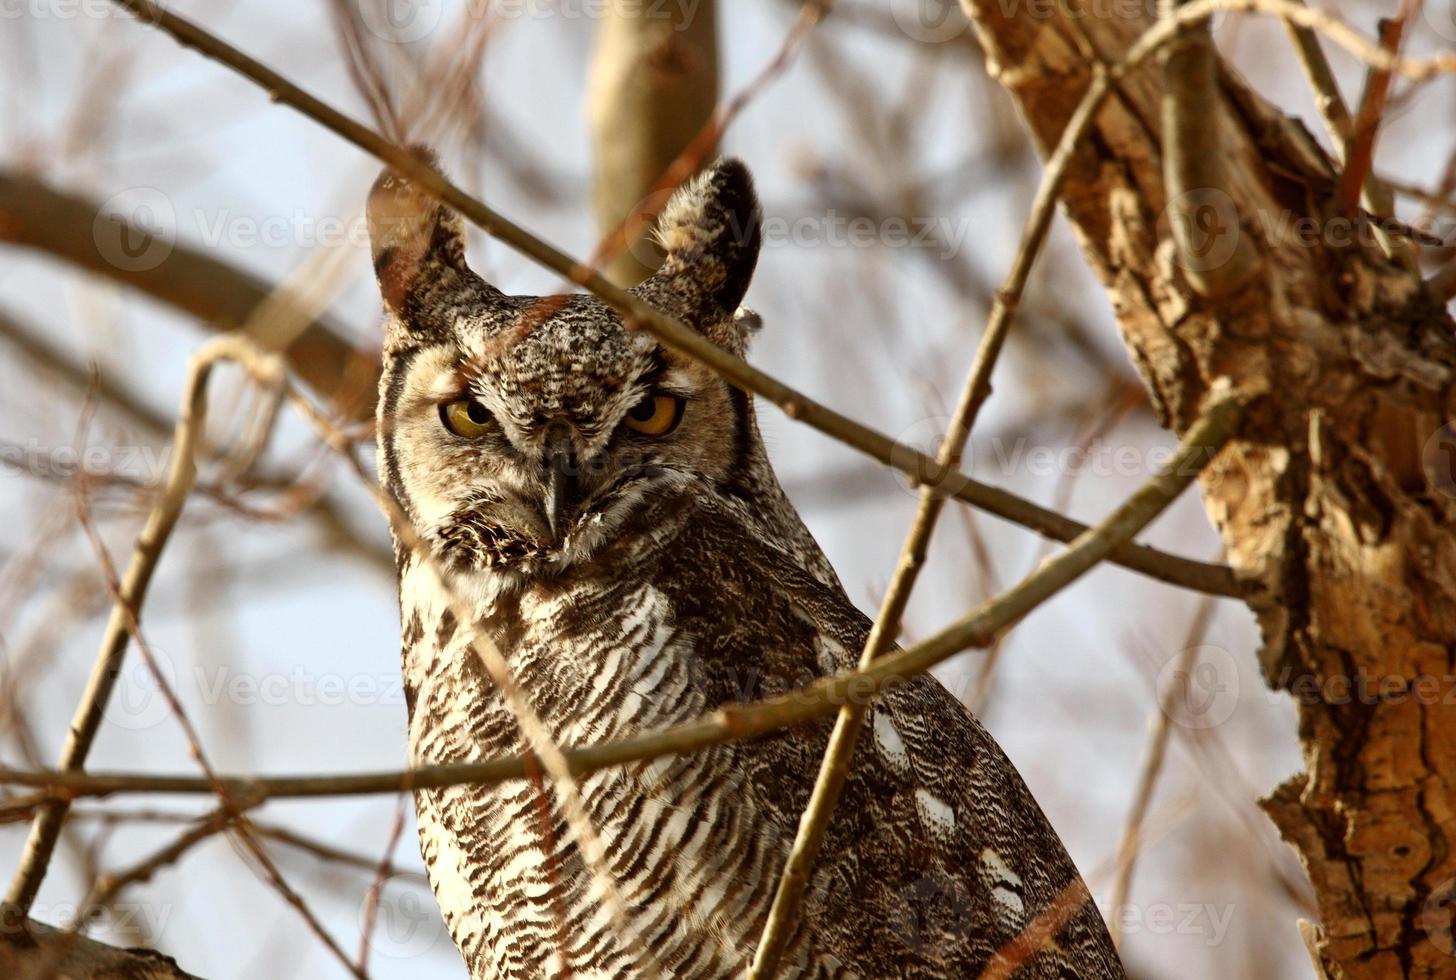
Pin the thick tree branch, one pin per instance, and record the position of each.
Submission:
(1334, 502)
(35, 215)
(1192, 166)
(32, 951)
(654, 86)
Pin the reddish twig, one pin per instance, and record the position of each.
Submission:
(382, 874)
(1361, 157)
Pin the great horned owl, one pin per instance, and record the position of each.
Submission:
(608, 508)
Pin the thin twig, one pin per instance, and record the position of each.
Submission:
(1039, 932)
(316, 848)
(1360, 151)
(733, 722)
(109, 887)
(678, 336)
(132, 594)
(838, 754)
(376, 887)
(1158, 732)
(1376, 195)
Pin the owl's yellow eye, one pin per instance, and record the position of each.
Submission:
(467, 418)
(655, 415)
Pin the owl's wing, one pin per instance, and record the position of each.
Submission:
(936, 857)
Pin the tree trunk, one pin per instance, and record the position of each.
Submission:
(1337, 501)
(654, 86)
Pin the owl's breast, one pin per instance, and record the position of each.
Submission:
(598, 659)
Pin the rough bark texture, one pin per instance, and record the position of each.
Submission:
(1336, 504)
(39, 952)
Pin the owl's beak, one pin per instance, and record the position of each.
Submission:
(563, 482)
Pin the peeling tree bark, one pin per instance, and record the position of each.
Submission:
(1336, 504)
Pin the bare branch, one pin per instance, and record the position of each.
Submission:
(677, 335)
(733, 722)
(1158, 735)
(35, 215)
(834, 769)
(132, 594)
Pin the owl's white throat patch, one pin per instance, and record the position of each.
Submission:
(489, 560)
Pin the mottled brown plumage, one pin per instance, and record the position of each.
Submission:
(638, 574)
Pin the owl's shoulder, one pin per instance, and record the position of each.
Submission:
(937, 853)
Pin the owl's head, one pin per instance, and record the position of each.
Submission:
(519, 433)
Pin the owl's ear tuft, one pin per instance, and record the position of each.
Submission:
(416, 240)
(711, 231)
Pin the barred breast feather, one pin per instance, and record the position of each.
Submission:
(605, 507)
(936, 857)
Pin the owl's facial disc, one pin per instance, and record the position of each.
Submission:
(531, 459)
(525, 434)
